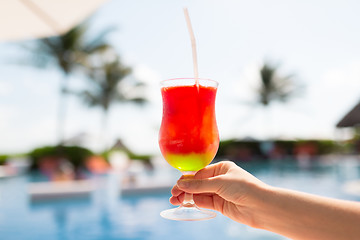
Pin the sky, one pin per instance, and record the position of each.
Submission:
(317, 41)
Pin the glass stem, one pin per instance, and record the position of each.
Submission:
(188, 199)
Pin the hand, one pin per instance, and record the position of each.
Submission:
(223, 187)
(227, 188)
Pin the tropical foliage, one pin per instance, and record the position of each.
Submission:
(110, 82)
(3, 159)
(274, 87)
(74, 154)
(67, 53)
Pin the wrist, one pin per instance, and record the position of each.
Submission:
(258, 204)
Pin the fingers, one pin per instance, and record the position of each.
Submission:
(205, 200)
(208, 201)
(177, 200)
(207, 185)
(214, 170)
(176, 191)
(207, 180)
(207, 172)
(204, 180)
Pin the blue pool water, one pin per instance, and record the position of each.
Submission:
(107, 215)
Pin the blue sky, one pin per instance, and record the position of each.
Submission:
(316, 40)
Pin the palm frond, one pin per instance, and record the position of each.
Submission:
(109, 83)
(274, 87)
(99, 42)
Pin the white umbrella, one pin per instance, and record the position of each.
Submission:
(26, 19)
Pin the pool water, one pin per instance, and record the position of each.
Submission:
(107, 215)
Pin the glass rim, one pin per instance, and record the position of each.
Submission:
(188, 82)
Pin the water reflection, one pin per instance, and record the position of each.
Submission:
(106, 214)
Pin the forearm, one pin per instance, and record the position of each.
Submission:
(304, 216)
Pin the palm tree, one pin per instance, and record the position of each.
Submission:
(274, 87)
(110, 84)
(66, 52)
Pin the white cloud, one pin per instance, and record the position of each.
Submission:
(314, 115)
(23, 138)
(7, 113)
(345, 77)
(5, 89)
(152, 79)
(248, 81)
(337, 91)
(146, 74)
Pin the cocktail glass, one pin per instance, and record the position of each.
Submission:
(188, 138)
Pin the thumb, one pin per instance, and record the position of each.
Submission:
(207, 185)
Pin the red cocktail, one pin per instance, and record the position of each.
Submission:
(189, 137)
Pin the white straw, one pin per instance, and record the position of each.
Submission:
(193, 46)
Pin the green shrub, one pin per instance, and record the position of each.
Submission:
(3, 159)
(239, 150)
(327, 146)
(76, 155)
(248, 149)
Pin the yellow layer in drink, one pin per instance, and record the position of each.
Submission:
(189, 162)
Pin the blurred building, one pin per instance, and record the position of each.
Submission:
(351, 119)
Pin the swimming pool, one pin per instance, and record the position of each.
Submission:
(107, 215)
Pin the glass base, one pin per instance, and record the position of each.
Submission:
(192, 213)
